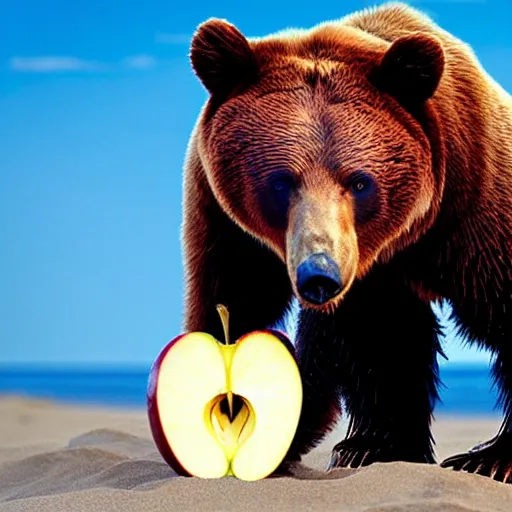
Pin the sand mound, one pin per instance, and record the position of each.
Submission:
(114, 465)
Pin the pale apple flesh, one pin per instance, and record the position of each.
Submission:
(196, 430)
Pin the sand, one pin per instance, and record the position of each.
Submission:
(64, 458)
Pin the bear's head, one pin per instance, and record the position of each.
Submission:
(319, 144)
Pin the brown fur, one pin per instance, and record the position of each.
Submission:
(384, 91)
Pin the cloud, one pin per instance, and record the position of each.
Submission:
(140, 61)
(169, 38)
(52, 63)
(447, 1)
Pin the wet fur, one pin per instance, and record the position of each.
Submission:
(459, 249)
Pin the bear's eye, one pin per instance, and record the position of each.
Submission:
(279, 185)
(282, 183)
(361, 183)
(274, 196)
(366, 194)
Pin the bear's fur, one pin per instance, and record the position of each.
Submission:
(379, 141)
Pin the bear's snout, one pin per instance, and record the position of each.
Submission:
(318, 279)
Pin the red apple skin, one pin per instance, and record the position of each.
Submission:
(153, 415)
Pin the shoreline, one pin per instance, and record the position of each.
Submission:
(96, 405)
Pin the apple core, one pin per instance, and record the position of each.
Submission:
(230, 427)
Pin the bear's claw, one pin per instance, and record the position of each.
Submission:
(350, 454)
(492, 459)
(358, 451)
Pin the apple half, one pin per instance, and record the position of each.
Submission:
(220, 409)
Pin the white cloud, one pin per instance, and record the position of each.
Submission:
(140, 61)
(53, 63)
(447, 1)
(169, 38)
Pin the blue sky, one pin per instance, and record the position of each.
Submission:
(97, 100)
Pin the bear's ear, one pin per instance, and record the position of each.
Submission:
(411, 68)
(222, 57)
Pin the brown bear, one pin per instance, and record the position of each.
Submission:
(364, 167)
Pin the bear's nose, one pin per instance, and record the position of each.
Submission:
(318, 279)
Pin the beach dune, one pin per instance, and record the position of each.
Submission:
(63, 458)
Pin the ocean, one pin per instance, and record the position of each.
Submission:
(466, 387)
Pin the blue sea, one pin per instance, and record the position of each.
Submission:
(466, 387)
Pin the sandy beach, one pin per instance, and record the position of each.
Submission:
(60, 458)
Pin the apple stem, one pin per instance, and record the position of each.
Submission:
(224, 318)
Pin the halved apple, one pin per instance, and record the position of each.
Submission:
(225, 409)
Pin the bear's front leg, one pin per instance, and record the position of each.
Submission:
(380, 349)
(225, 265)
(318, 357)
